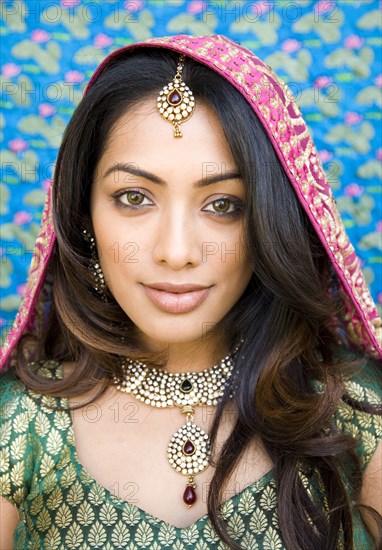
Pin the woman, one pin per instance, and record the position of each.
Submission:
(193, 282)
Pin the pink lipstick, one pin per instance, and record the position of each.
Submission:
(176, 298)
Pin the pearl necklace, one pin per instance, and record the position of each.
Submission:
(189, 449)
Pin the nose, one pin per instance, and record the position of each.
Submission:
(177, 243)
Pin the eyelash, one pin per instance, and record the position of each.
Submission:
(236, 203)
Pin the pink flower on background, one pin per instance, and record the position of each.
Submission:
(352, 118)
(133, 5)
(196, 6)
(46, 184)
(379, 298)
(379, 226)
(69, 3)
(379, 154)
(322, 81)
(291, 45)
(46, 109)
(354, 190)
(101, 40)
(353, 41)
(325, 155)
(378, 80)
(10, 69)
(74, 77)
(17, 145)
(259, 8)
(20, 289)
(39, 35)
(323, 6)
(22, 217)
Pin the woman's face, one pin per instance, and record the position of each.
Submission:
(170, 211)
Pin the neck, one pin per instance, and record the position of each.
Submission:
(194, 356)
(193, 360)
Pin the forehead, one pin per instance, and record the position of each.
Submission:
(142, 136)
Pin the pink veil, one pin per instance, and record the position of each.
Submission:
(359, 327)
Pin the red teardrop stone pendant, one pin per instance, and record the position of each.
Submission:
(189, 495)
(188, 448)
(175, 98)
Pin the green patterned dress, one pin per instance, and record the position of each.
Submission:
(62, 507)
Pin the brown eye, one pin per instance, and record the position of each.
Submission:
(131, 199)
(221, 205)
(134, 197)
(229, 207)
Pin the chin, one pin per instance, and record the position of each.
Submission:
(172, 334)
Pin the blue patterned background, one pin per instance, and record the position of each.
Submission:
(328, 52)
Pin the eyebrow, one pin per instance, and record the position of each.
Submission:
(208, 180)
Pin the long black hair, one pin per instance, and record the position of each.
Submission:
(281, 314)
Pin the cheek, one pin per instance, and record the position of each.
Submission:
(123, 251)
(227, 255)
(236, 274)
(110, 247)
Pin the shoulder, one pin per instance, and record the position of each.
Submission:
(15, 444)
(10, 387)
(16, 396)
(19, 409)
(360, 411)
(9, 380)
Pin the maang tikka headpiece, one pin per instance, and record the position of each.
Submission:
(176, 102)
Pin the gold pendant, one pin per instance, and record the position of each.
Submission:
(188, 453)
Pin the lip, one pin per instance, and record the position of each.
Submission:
(176, 298)
(176, 288)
